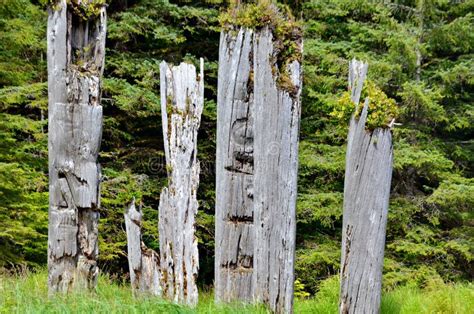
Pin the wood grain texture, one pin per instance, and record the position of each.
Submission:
(76, 50)
(235, 233)
(143, 262)
(276, 129)
(257, 163)
(367, 182)
(182, 102)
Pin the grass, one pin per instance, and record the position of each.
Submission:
(27, 293)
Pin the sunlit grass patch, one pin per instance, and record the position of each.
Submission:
(27, 293)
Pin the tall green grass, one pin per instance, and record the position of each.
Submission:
(27, 293)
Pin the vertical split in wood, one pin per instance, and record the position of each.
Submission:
(182, 102)
(76, 50)
(368, 176)
(257, 164)
(143, 262)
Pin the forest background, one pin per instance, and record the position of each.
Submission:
(420, 53)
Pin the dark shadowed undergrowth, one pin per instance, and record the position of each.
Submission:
(27, 293)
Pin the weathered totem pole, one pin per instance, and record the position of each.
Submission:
(76, 49)
(258, 115)
(235, 226)
(182, 102)
(276, 128)
(143, 262)
(366, 197)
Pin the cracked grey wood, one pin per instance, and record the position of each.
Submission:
(182, 102)
(143, 262)
(234, 175)
(276, 131)
(76, 50)
(257, 163)
(367, 182)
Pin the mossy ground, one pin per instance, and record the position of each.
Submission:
(27, 293)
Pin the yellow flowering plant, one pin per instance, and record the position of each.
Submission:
(382, 109)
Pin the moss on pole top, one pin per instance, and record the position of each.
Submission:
(85, 9)
(262, 14)
(287, 32)
(257, 14)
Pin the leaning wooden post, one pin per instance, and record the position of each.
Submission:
(366, 197)
(257, 160)
(182, 101)
(143, 262)
(76, 48)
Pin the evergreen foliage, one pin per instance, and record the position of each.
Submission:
(420, 55)
(432, 146)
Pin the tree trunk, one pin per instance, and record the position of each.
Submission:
(76, 49)
(143, 262)
(257, 164)
(366, 197)
(182, 101)
(420, 17)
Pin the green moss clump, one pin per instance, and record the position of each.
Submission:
(287, 33)
(382, 109)
(172, 109)
(169, 105)
(250, 15)
(86, 10)
(53, 4)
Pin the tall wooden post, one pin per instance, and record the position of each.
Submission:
(235, 232)
(143, 262)
(182, 102)
(276, 129)
(366, 197)
(257, 164)
(76, 50)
